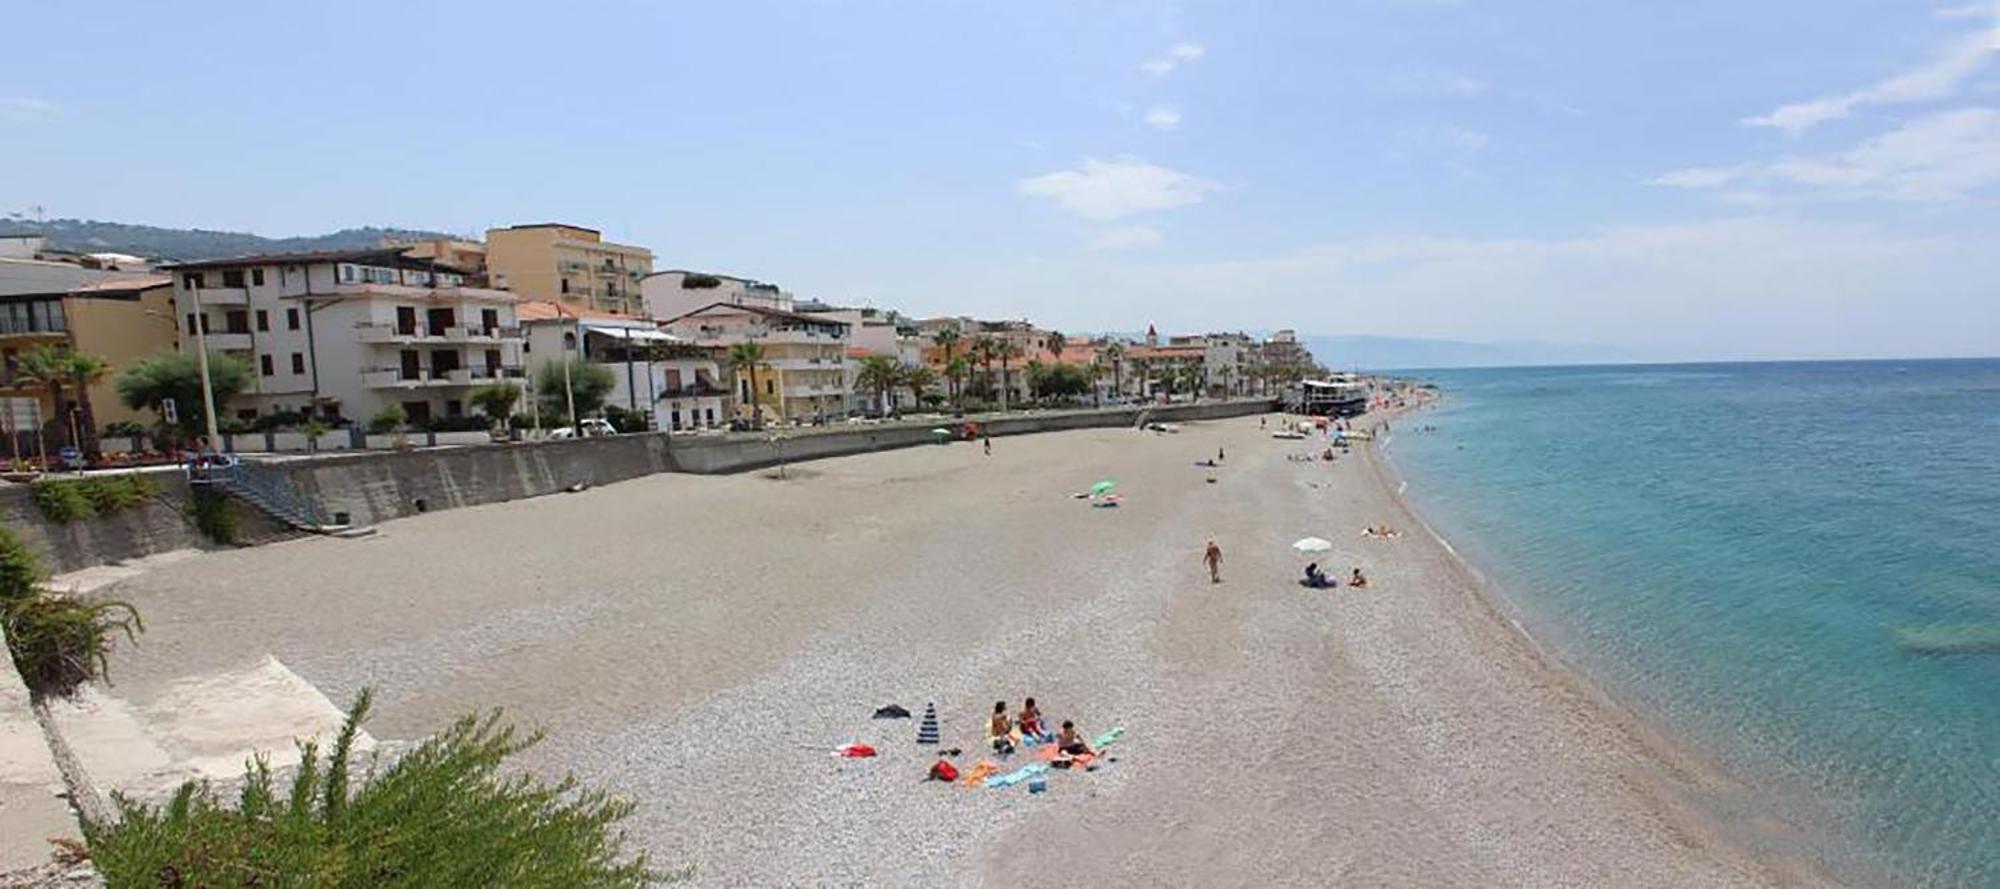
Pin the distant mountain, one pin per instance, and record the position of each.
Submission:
(154, 242)
(1393, 353)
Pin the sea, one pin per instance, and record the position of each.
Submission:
(1791, 571)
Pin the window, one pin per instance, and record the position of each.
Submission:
(264, 364)
(232, 277)
(298, 362)
(565, 285)
(770, 387)
(194, 280)
(346, 274)
(291, 319)
(190, 324)
(256, 277)
(263, 321)
(489, 320)
(237, 321)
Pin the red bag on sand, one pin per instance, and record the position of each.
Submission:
(944, 771)
(854, 751)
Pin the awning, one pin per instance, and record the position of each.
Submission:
(636, 334)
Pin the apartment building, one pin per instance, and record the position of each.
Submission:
(466, 256)
(676, 292)
(120, 318)
(550, 261)
(1226, 359)
(343, 334)
(679, 383)
(804, 374)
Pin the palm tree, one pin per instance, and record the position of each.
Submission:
(84, 370)
(1116, 352)
(919, 378)
(1096, 374)
(955, 372)
(984, 349)
(879, 374)
(1056, 343)
(947, 339)
(1004, 351)
(744, 357)
(46, 366)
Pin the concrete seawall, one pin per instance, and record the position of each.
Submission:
(373, 487)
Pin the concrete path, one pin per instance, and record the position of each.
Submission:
(32, 806)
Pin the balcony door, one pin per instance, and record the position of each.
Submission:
(438, 320)
(443, 361)
(412, 365)
(406, 321)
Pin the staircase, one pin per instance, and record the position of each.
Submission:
(272, 493)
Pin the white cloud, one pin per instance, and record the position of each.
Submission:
(1933, 80)
(1131, 237)
(1163, 117)
(1945, 156)
(25, 108)
(1176, 55)
(1114, 189)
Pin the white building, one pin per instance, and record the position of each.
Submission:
(803, 376)
(343, 334)
(673, 293)
(678, 382)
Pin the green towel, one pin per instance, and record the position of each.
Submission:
(1108, 738)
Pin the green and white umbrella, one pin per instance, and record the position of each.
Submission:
(1103, 487)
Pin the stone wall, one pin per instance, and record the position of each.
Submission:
(152, 527)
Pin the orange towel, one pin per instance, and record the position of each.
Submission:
(977, 775)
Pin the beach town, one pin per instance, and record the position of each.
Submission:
(1143, 610)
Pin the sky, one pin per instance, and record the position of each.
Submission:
(1698, 179)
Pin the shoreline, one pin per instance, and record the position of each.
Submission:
(1683, 773)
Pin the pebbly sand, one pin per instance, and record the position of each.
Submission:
(701, 644)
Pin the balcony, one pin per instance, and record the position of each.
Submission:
(388, 333)
(390, 378)
(33, 335)
(223, 296)
(228, 342)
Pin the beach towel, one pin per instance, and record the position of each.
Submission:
(854, 751)
(979, 772)
(1016, 776)
(1108, 738)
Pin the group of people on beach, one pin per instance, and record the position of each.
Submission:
(1002, 732)
(1318, 580)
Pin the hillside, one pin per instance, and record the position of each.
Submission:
(92, 236)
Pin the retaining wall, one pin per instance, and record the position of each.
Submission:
(150, 527)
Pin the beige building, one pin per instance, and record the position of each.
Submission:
(804, 374)
(119, 318)
(461, 255)
(676, 292)
(575, 265)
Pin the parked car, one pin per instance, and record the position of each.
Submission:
(593, 427)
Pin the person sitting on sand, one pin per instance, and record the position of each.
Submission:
(1069, 743)
(998, 730)
(1316, 579)
(1030, 721)
(1357, 580)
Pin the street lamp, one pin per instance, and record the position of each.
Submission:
(201, 357)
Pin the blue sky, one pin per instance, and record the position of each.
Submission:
(1697, 179)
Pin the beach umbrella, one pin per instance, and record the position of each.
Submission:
(1103, 487)
(1312, 546)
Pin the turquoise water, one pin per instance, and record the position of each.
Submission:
(1792, 569)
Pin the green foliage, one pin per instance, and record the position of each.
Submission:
(277, 420)
(443, 815)
(63, 502)
(1057, 380)
(389, 419)
(590, 382)
(214, 517)
(20, 571)
(124, 429)
(625, 421)
(177, 375)
(700, 282)
(60, 643)
(497, 400)
(108, 494)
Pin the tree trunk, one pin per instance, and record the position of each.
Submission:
(56, 413)
(86, 418)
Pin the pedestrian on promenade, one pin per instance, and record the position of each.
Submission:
(1213, 557)
(988, 443)
(1218, 455)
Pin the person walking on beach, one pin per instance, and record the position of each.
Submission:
(1213, 558)
(987, 442)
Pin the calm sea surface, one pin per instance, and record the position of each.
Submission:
(1793, 569)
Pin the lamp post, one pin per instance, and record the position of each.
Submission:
(201, 357)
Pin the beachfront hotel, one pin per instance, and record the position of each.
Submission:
(551, 261)
(343, 334)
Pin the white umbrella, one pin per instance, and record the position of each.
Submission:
(1312, 545)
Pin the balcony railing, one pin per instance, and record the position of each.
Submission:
(223, 296)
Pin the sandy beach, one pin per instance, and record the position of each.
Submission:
(700, 644)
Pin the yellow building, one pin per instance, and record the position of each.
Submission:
(121, 319)
(551, 261)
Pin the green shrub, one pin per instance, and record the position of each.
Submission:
(20, 571)
(63, 502)
(278, 420)
(123, 429)
(60, 643)
(387, 420)
(443, 815)
(214, 517)
(460, 423)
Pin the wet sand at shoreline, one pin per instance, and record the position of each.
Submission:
(700, 643)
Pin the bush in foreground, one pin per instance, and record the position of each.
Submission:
(57, 643)
(442, 815)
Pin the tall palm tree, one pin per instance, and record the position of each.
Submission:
(947, 339)
(984, 349)
(955, 372)
(1004, 351)
(1096, 375)
(744, 357)
(47, 366)
(1116, 353)
(1056, 343)
(919, 378)
(84, 370)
